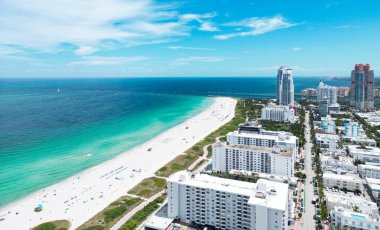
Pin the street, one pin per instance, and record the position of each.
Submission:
(309, 210)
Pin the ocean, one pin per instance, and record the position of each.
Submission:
(51, 129)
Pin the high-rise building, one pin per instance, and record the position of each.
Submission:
(362, 87)
(271, 160)
(228, 204)
(343, 91)
(285, 86)
(326, 92)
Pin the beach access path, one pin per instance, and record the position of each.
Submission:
(82, 196)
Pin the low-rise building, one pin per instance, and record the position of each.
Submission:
(373, 185)
(350, 182)
(372, 171)
(350, 201)
(272, 160)
(361, 140)
(327, 141)
(352, 129)
(364, 153)
(346, 218)
(278, 113)
(228, 204)
(342, 163)
(309, 92)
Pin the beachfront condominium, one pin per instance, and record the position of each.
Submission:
(362, 87)
(278, 113)
(271, 160)
(252, 135)
(352, 129)
(285, 86)
(228, 204)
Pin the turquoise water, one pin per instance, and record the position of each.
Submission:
(358, 217)
(48, 136)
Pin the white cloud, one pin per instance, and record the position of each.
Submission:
(202, 20)
(51, 25)
(187, 48)
(347, 27)
(208, 26)
(103, 60)
(85, 50)
(188, 60)
(256, 26)
(296, 48)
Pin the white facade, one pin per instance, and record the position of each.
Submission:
(350, 182)
(271, 160)
(264, 138)
(344, 163)
(278, 113)
(372, 171)
(326, 93)
(350, 201)
(374, 187)
(346, 218)
(352, 129)
(369, 154)
(327, 141)
(328, 125)
(285, 86)
(228, 204)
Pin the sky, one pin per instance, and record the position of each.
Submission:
(147, 38)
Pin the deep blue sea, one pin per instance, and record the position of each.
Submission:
(53, 129)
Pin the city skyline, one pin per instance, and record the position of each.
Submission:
(161, 38)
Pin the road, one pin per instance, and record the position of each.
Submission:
(135, 210)
(309, 210)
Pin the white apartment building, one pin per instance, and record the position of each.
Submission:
(272, 160)
(351, 182)
(278, 113)
(367, 154)
(228, 204)
(374, 187)
(362, 140)
(346, 218)
(326, 93)
(327, 141)
(344, 163)
(371, 171)
(328, 125)
(263, 138)
(350, 201)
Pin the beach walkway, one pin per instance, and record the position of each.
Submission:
(135, 210)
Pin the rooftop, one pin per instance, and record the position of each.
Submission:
(268, 193)
(359, 216)
(326, 136)
(276, 150)
(271, 135)
(346, 177)
(367, 150)
(341, 159)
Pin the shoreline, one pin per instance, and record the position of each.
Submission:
(82, 196)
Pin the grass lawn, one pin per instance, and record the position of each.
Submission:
(148, 187)
(54, 225)
(244, 108)
(111, 214)
(200, 163)
(143, 214)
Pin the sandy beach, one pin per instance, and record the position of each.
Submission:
(80, 197)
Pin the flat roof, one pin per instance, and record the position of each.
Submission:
(277, 200)
(326, 136)
(342, 159)
(281, 150)
(368, 149)
(281, 136)
(374, 167)
(348, 177)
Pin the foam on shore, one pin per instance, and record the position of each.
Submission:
(80, 197)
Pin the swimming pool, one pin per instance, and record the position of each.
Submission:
(358, 217)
